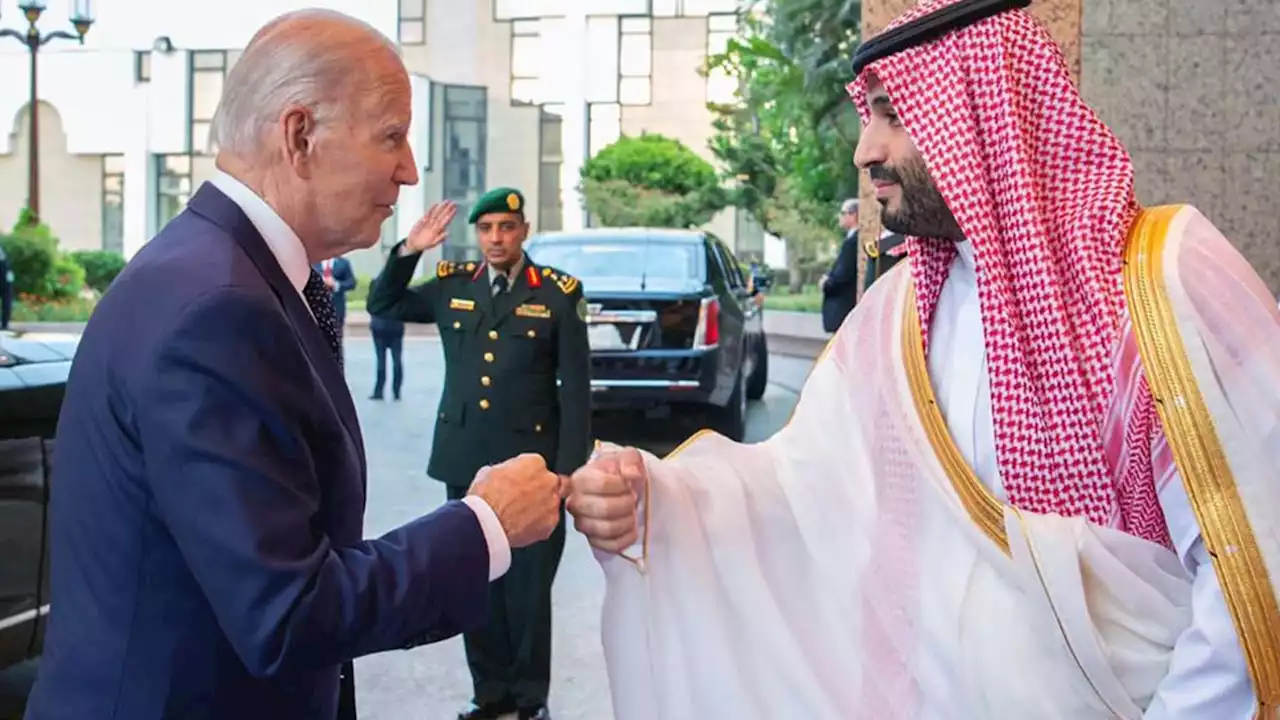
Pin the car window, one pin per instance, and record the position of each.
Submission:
(731, 264)
(726, 267)
(677, 261)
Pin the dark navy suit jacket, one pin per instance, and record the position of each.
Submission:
(207, 501)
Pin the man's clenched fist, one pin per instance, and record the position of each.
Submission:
(604, 500)
(525, 496)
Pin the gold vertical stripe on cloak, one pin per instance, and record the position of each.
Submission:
(984, 509)
(1200, 459)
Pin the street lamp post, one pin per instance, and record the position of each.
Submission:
(33, 39)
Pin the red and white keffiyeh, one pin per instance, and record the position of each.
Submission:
(1044, 191)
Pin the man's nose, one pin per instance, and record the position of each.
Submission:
(871, 148)
(407, 169)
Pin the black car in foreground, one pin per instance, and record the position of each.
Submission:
(672, 321)
(33, 380)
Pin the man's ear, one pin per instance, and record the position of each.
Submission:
(299, 139)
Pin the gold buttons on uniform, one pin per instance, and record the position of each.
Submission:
(485, 381)
(488, 357)
(484, 404)
(457, 324)
(493, 334)
(532, 334)
(537, 428)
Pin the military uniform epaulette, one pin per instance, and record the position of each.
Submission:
(446, 268)
(566, 282)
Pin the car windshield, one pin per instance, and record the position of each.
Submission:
(676, 261)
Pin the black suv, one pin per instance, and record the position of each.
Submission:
(33, 380)
(672, 320)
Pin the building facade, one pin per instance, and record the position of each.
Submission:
(505, 92)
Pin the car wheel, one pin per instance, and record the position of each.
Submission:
(731, 420)
(759, 378)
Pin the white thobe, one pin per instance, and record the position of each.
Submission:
(1208, 677)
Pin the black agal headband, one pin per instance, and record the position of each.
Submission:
(929, 27)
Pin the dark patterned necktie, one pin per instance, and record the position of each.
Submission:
(320, 299)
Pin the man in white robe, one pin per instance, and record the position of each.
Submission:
(1061, 501)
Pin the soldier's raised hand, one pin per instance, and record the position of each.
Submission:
(432, 229)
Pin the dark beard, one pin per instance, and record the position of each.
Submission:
(921, 210)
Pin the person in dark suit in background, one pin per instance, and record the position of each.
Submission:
(388, 339)
(340, 279)
(517, 380)
(840, 285)
(6, 291)
(208, 556)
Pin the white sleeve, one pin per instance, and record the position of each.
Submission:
(1208, 677)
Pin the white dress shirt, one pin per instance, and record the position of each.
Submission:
(1208, 677)
(288, 250)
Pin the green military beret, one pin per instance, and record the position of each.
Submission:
(498, 200)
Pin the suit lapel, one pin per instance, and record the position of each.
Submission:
(211, 204)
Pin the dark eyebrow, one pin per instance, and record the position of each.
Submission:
(881, 100)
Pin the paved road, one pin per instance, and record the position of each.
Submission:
(430, 683)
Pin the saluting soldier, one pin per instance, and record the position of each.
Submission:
(510, 329)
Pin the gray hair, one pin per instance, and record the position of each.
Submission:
(849, 206)
(304, 58)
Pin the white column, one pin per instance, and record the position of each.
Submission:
(139, 185)
(573, 70)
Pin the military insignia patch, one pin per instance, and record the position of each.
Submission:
(530, 310)
(513, 202)
(462, 304)
(582, 309)
(567, 283)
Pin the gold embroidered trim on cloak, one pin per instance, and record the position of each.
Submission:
(984, 509)
(1200, 459)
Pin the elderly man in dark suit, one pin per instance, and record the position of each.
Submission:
(208, 498)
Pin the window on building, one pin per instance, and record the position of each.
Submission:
(142, 66)
(413, 22)
(721, 86)
(173, 186)
(526, 61)
(208, 73)
(604, 126)
(695, 8)
(550, 209)
(465, 133)
(113, 203)
(504, 10)
(635, 60)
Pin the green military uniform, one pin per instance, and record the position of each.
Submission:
(503, 357)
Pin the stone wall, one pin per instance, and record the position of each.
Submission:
(1192, 88)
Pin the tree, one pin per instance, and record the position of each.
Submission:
(788, 142)
(651, 181)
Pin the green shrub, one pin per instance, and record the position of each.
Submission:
(31, 258)
(28, 309)
(67, 280)
(652, 181)
(100, 267)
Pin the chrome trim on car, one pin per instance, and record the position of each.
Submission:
(645, 384)
(23, 617)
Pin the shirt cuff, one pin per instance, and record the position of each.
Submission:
(494, 536)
